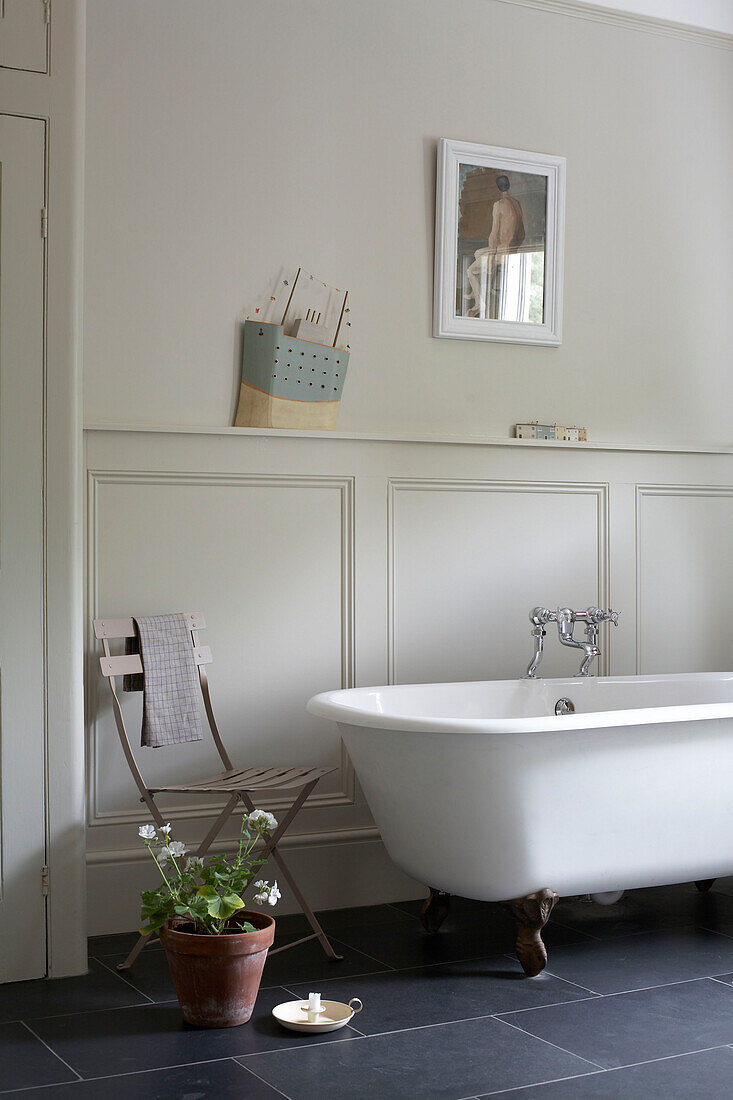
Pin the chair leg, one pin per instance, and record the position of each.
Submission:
(159, 821)
(271, 849)
(134, 953)
(309, 914)
(217, 826)
(200, 851)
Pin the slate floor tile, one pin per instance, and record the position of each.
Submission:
(333, 921)
(151, 975)
(406, 943)
(437, 994)
(119, 942)
(52, 997)
(639, 1026)
(708, 1074)
(223, 1080)
(308, 963)
(446, 1062)
(648, 958)
(727, 979)
(461, 909)
(153, 1036)
(723, 927)
(647, 910)
(336, 921)
(25, 1062)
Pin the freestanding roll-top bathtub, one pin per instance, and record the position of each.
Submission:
(482, 790)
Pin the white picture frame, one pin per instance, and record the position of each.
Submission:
(447, 320)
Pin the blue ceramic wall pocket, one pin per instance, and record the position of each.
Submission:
(295, 356)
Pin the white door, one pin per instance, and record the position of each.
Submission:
(22, 816)
(24, 35)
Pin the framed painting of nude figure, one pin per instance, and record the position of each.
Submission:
(499, 244)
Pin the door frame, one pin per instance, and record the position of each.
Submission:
(57, 98)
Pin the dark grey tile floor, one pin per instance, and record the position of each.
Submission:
(636, 1002)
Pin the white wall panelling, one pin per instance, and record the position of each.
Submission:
(449, 541)
(242, 547)
(328, 561)
(684, 555)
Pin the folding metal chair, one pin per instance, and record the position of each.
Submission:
(238, 783)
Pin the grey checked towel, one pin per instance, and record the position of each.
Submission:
(169, 680)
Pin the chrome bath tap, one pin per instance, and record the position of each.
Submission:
(566, 619)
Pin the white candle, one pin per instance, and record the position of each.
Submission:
(314, 1002)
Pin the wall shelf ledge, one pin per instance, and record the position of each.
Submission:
(406, 437)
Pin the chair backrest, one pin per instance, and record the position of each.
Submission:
(126, 664)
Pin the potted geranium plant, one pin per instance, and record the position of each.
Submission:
(216, 948)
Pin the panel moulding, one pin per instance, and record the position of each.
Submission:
(345, 796)
(659, 490)
(599, 490)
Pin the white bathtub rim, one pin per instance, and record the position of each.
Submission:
(331, 705)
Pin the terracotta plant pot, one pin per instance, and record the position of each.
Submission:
(217, 978)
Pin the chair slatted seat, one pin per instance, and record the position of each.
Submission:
(274, 779)
(238, 783)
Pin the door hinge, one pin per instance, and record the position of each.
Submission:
(44, 881)
(46, 11)
(44, 221)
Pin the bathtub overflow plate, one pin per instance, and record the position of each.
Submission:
(564, 706)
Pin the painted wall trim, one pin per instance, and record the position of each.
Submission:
(188, 810)
(642, 492)
(406, 437)
(67, 910)
(486, 485)
(367, 834)
(630, 21)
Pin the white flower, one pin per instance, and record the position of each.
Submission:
(163, 855)
(262, 821)
(147, 832)
(266, 893)
(166, 829)
(263, 894)
(194, 863)
(177, 848)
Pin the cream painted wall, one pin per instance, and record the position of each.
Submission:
(223, 140)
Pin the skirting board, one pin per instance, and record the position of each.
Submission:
(331, 876)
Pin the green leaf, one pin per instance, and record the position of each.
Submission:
(207, 892)
(154, 924)
(246, 926)
(232, 902)
(220, 907)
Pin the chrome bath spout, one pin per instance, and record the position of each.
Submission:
(538, 634)
(590, 649)
(566, 619)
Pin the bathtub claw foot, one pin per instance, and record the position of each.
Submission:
(532, 914)
(704, 884)
(435, 910)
